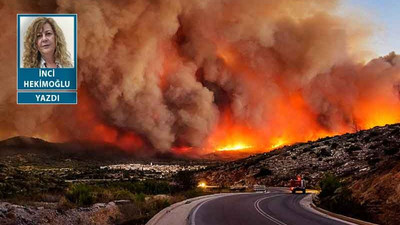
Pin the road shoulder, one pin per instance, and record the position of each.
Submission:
(308, 204)
(179, 213)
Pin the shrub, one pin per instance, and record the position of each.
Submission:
(324, 153)
(80, 194)
(64, 204)
(334, 145)
(374, 146)
(373, 160)
(161, 204)
(366, 139)
(353, 148)
(123, 195)
(150, 187)
(140, 197)
(328, 185)
(336, 197)
(263, 172)
(391, 150)
(385, 142)
(47, 197)
(153, 187)
(185, 180)
(193, 193)
(373, 133)
(394, 132)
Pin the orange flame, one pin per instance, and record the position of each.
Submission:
(231, 136)
(377, 112)
(181, 150)
(98, 131)
(293, 120)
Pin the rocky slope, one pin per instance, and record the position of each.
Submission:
(100, 214)
(380, 193)
(369, 161)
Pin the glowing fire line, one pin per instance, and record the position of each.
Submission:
(235, 147)
(278, 143)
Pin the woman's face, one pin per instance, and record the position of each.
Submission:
(46, 40)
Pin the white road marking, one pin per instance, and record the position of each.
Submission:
(193, 214)
(266, 215)
(192, 221)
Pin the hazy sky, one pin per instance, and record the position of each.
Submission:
(386, 16)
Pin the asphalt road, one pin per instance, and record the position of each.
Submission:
(274, 208)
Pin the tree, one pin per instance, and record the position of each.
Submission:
(328, 185)
(185, 180)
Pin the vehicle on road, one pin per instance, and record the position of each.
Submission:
(298, 184)
(238, 187)
(259, 188)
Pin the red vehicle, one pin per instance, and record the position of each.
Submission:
(298, 185)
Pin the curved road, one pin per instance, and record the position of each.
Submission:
(274, 208)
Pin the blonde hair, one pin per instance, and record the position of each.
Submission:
(32, 56)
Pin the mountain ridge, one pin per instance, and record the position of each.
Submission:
(30, 150)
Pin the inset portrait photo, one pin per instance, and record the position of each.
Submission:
(47, 41)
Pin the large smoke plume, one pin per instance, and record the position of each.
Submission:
(172, 73)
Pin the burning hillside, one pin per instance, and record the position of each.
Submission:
(367, 161)
(199, 76)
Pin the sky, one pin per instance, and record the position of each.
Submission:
(386, 16)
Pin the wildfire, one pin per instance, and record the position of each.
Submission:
(377, 113)
(101, 132)
(181, 150)
(232, 136)
(212, 76)
(234, 147)
(280, 142)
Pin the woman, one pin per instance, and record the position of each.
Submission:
(45, 45)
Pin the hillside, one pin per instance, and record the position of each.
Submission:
(22, 151)
(34, 151)
(368, 161)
